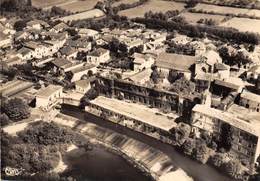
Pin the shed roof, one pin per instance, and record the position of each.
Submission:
(136, 111)
(175, 61)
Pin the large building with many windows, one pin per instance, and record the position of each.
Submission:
(243, 124)
(134, 116)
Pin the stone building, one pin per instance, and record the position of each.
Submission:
(134, 116)
(245, 144)
(150, 96)
(48, 97)
(250, 100)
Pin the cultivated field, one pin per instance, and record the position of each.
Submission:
(46, 3)
(243, 24)
(195, 17)
(79, 6)
(115, 4)
(220, 9)
(94, 13)
(152, 5)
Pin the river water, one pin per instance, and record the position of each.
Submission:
(197, 171)
(101, 165)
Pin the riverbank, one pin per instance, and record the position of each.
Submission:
(196, 170)
(149, 160)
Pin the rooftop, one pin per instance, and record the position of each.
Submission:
(82, 68)
(175, 61)
(48, 91)
(61, 62)
(138, 77)
(229, 118)
(82, 83)
(231, 82)
(61, 25)
(136, 111)
(98, 52)
(89, 32)
(250, 96)
(245, 114)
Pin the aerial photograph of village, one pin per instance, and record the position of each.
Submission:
(130, 90)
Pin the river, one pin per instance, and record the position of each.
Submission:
(197, 171)
(99, 164)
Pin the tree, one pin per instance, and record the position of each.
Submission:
(155, 75)
(47, 134)
(189, 146)
(183, 86)
(182, 132)
(4, 120)
(16, 109)
(201, 152)
(20, 25)
(218, 159)
(192, 3)
(173, 76)
(233, 168)
(225, 140)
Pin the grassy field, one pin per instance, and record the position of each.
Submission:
(227, 10)
(79, 6)
(220, 9)
(115, 4)
(94, 13)
(195, 17)
(46, 3)
(243, 24)
(152, 5)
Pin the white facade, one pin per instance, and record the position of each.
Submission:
(101, 57)
(48, 97)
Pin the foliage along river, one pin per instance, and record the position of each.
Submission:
(198, 172)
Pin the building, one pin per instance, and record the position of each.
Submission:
(48, 97)
(37, 24)
(224, 87)
(245, 131)
(153, 40)
(165, 100)
(5, 41)
(60, 27)
(142, 61)
(14, 61)
(62, 65)
(68, 52)
(98, 56)
(82, 86)
(79, 71)
(141, 77)
(182, 64)
(253, 73)
(14, 87)
(84, 32)
(250, 100)
(134, 116)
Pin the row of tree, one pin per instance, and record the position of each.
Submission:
(226, 34)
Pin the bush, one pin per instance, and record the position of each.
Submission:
(47, 134)
(16, 109)
(182, 132)
(32, 158)
(189, 146)
(201, 151)
(4, 120)
(233, 168)
(217, 160)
